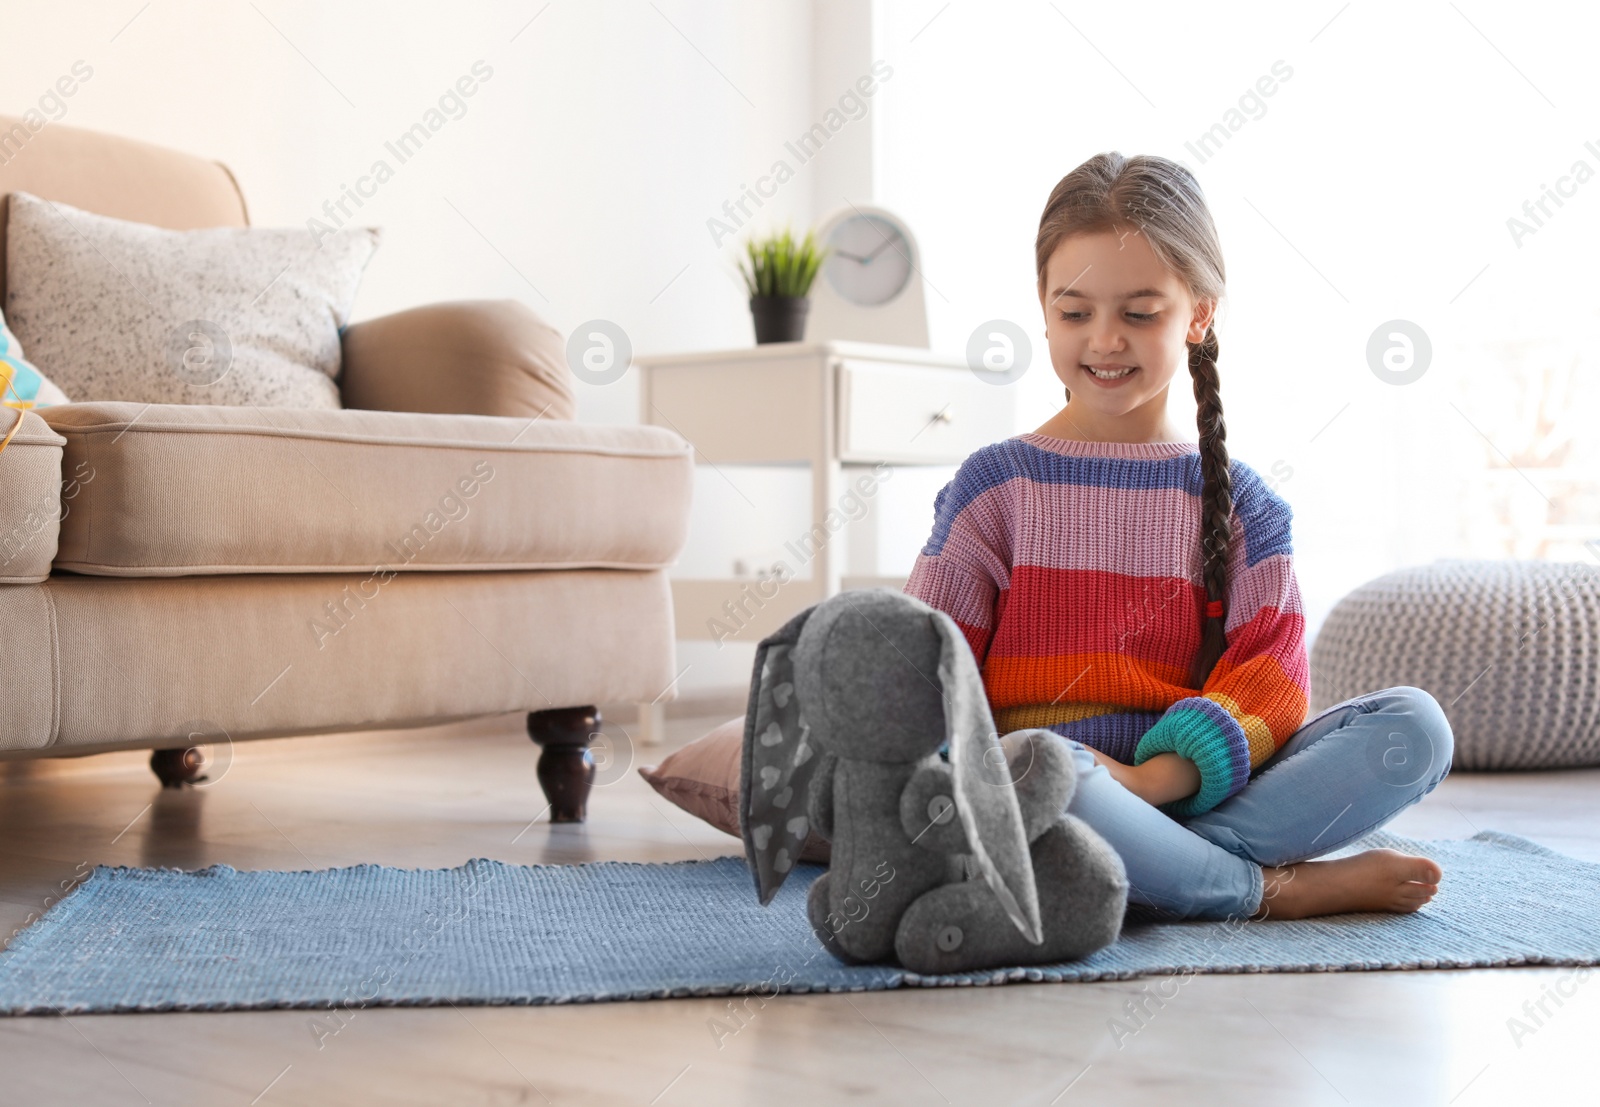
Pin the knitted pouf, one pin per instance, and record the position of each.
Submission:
(1510, 649)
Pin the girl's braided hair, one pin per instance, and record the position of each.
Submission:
(1161, 200)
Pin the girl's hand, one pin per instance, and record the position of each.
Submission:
(1162, 779)
(1126, 775)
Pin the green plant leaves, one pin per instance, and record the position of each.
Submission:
(778, 266)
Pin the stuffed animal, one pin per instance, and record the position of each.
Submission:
(942, 866)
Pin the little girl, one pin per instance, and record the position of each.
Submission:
(1135, 593)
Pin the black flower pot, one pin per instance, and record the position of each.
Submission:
(779, 318)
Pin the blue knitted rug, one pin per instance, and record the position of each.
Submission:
(492, 933)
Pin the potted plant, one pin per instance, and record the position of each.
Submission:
(779, 276)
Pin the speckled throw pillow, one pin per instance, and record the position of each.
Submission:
(113, 310)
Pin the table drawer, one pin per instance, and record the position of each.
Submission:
(912, 414)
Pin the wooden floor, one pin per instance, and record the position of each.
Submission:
(442, 796)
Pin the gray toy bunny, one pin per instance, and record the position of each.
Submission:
(944, 867)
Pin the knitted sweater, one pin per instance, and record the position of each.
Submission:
(1073, 568)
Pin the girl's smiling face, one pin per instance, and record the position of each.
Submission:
(1110, 304)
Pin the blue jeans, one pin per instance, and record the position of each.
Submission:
(1346, 771)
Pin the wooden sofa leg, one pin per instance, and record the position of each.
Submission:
(175, 768)
(564, 773)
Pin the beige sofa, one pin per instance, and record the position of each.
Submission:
(449, 546)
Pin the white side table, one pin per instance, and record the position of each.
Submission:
(829, 406)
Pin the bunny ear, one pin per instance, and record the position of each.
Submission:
(986, 799)
(778, 763)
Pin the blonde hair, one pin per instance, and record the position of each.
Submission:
(1163, 200)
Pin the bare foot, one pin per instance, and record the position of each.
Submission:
(1377, 880)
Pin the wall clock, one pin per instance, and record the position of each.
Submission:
(870, 288)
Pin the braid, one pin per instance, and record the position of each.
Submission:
(1216, 502)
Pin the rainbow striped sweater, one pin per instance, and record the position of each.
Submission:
(1073, 568)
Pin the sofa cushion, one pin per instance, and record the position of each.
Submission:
(115, 310)
(31, 500)
(179, 490)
